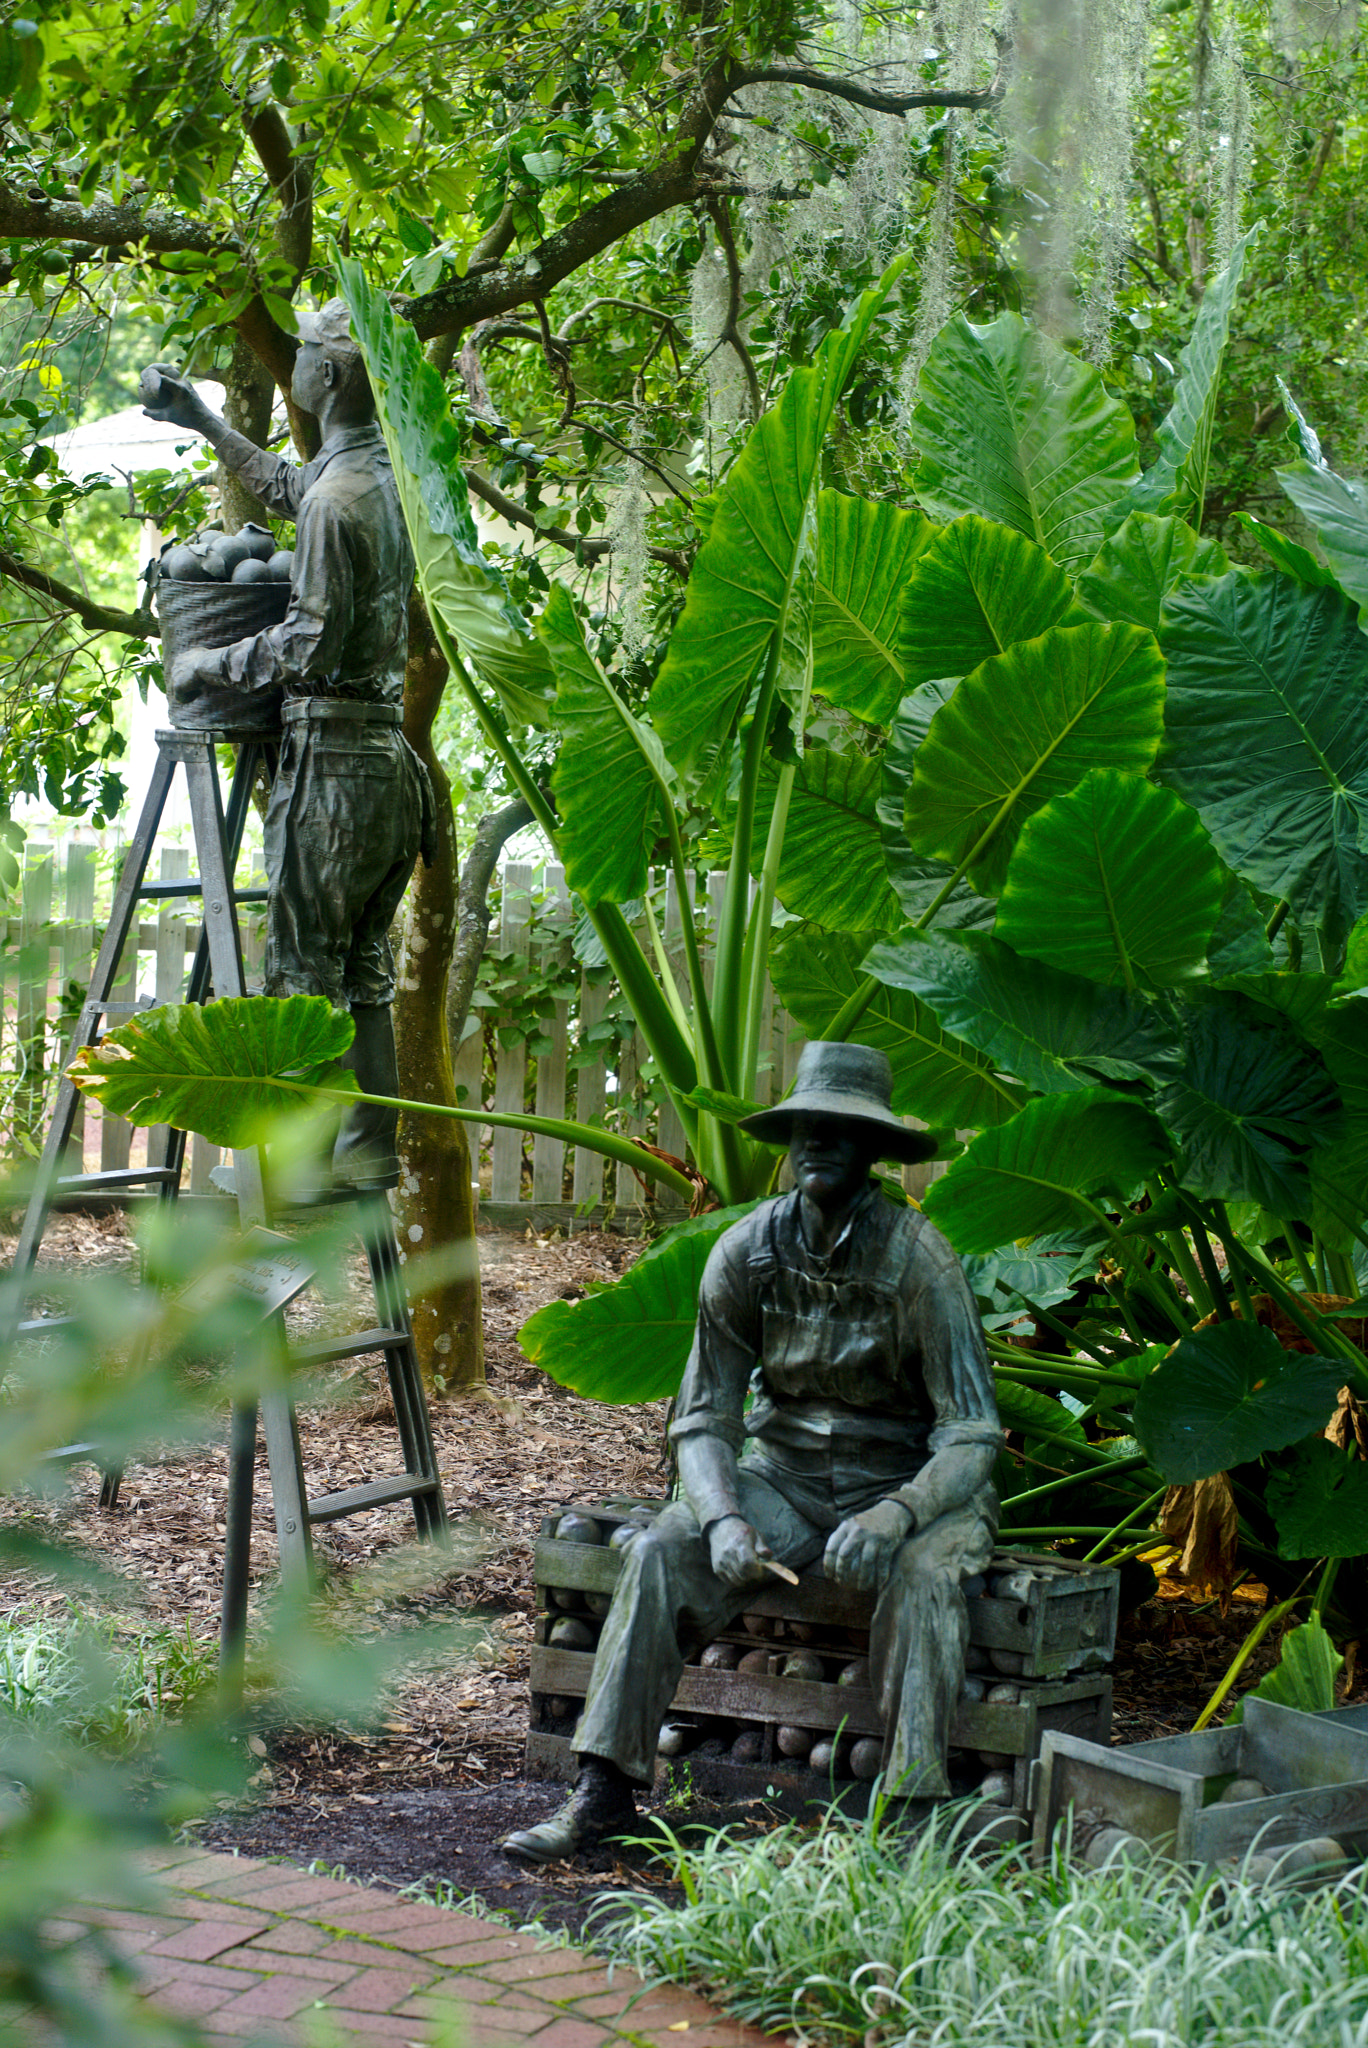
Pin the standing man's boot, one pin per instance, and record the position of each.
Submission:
(364, 1155)
(601, 1804)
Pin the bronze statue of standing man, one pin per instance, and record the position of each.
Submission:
(351, 805)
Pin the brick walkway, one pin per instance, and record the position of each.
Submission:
(263, 1949)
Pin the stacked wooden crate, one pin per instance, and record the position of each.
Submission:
(781, 1701)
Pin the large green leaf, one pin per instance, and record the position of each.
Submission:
(611, 775)
(935, 1077)
(1239, 944)
(831, 868)
(1116, 879)
(1284, 554)
(1140, 564)
(864, 552)
(760, 548)
(1266, 735)
(228, 1070)
(1178, 479)
(1229, 1393)
(1318, 1499)
(1053, 1031)
(973, 590)
(1250, 1103)
(1339, 1171)
(1022, 728)
(1038, 1172)
(919, 880)
(629, 1341)
(1011, 427)
(457, 582)
(1303, 1677)
(1337, 509)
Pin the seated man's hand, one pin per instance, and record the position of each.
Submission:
(860, 1550)
(736, 1552)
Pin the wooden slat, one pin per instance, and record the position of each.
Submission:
(591, 1094)
(169, 982)
(553, 956)
(35, 966)
(510, 1072)
(78, 956)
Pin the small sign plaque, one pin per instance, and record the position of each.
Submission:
(270, 1269)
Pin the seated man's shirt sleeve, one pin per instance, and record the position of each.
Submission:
(726, 1344)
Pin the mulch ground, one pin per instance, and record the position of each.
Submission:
(434, 1780)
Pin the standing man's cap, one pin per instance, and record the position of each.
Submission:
(330, 327)
(852, 1082)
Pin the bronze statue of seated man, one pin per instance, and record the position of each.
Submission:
(873, 1430)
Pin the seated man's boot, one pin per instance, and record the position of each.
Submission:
(364, 1155)
(601, 1804)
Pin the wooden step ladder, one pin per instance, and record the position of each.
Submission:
(217, 970)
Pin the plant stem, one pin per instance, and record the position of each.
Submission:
(1234, 1266)
(1323, 1333)
(1242, 1657)
(1091, 1477)
(1126, 1521)
(1320, 1598)
(1341, 1274)
(1206, 1258)
(729, 962)
(1180, 1253)
(1275, 923)
(1302, 1263)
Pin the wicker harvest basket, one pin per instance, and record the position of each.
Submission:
(215, 615)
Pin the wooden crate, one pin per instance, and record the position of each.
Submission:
(576, 1579)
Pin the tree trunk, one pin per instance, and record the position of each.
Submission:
(435, 1204)
(248, 394)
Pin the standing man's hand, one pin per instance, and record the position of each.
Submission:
(736, 1551)
(860, 1550)
(166, 396)
(194, 670)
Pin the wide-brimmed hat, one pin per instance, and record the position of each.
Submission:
(852, 1082)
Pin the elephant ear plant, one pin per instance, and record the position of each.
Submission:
(1029, 785)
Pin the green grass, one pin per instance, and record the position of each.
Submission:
(95, 1679)
(847, 1933)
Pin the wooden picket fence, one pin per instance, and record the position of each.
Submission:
(48, 948)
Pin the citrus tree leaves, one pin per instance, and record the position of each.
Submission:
(935, 1076)
(1266, 735)
(1229, 1393)
(1012, 427)
(974, 588)
(1039, 1172)
(630, 1341)
(1024, 727)
(1116, 879)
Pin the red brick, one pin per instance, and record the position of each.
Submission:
(154, 1971)
(556, 1969)
(117, 1916)
(280, 1997)
(194, 1908)
(373, 1990)
(191, 2001)
(202, 1940)
(346, 2024)
(228, 2024)
(290, 1938)
(354, 1949)
(575, 2033)
(203, 1868)
(493, 1957)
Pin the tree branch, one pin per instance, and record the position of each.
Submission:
(461, 302)
(731, 326)
(101, 618)
(33, 215)
(292, 177)
(585, 550)
(861, 95)
(492, 834)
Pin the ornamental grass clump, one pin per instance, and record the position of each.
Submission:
(849, 1932)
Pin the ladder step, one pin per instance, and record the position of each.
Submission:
(325, 1350)
(120, 1177)
(38, 1326)
(376, 1493)
(194, 886)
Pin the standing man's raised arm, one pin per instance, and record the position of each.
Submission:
(278, 483)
